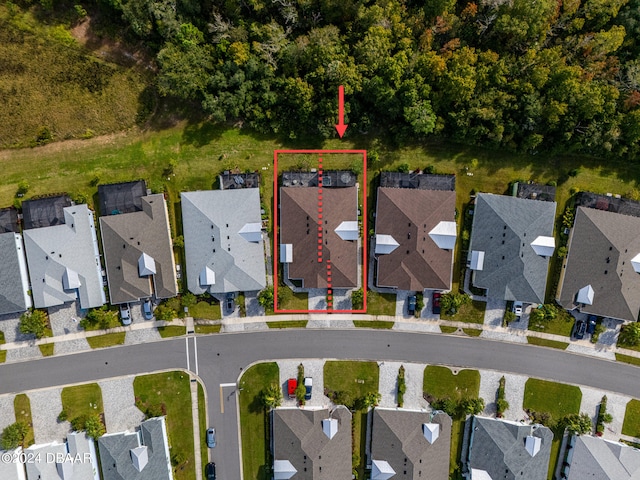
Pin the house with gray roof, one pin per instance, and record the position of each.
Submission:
(14, 279)
(500, 449)
(511, 242)
(409, 444)
(311, 444)
(599, 459)
(64, 260)
(13, 470)
(223, 241)
(601, 272)
(138, 252)
(140, 455)
(73, 460)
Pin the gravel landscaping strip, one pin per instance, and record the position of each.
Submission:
(342, 299)
(504, 336)
(616, 406)
(7, 415)
(388, 383)
(494, 312)
(65, 319)
(27, 352)
(120, 411)
(71, 346)
(46, 405)
(288, 369)
(10, 326)
(141, 336)
(327, 323)
(514, 392)
(417, 327)
(589, 350)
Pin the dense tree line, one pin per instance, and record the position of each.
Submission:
(527, 75)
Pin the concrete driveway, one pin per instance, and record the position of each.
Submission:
(494, 313)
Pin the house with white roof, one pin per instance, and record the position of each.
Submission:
(73, 460)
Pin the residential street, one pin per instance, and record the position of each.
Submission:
(221, 358)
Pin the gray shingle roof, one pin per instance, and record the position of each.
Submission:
(408, 215)
(212, 222)
(125, 238)
(14, 282)
(598, 459)
(601, 247)
(498, 448)
(115, 453)
(504, 228)
(298, 437)
(397, 437)
(63, 249)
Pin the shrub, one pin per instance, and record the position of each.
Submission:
(94, 427)
(271, 397)
(357, 299)
(23, 187)
(603, 416)
(600, 328)
(451, 302)
(501, 403)
(629, 335)
(43, 136)
(13, 435)
(562, 252)
(430, 169)
(265, 298)
(34, 322)
(403, 168)
(509, 317)
(188, 300)
(402, 386)
(62, 416)
(578, 424)
(419, 304)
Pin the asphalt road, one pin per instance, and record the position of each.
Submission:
(221, 359)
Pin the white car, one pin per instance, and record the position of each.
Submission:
(125, 314)
(517, 309)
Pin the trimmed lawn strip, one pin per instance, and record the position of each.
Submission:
(561, 325)
(440, 382)
(206, 329)
(254, 420)
(627, 359)
(106, 340)
(82, 400)
(202, 421)
(289, 300)
(378, 324)
(172, 331)
(173, 391)
(46, 349)
(206, 311)
(472, 332)
(288, 324)
(631, 424)
(22, 409)
(3, 356)
(448, 329)
(635, 348)
(2, 340)
(381, 303)
(471, 312)
(543, 342)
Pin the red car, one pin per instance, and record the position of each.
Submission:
(435, 305)
(292, 384)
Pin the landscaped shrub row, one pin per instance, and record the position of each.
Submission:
(501, 402)
(603, 417)
(402, 386)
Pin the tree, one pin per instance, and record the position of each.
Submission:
(34, 322)
(188, 300)
(265, 298)
(629, 335)
(94, 427)
(451, 302)
(578, 424)
(471, 406)
(163, 312)
(357, 299)
(13, 435)
(103, 317)
(271, 397)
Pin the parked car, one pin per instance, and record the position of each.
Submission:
(591, 324)
(411, 305)
(125, 314)
(211, 437)
(292, 384)
(517, 309)
(146, 309)
(581, 328)
(435, 304)
(210, 471)
(308, 385)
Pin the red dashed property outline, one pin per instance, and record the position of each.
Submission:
(321, 258)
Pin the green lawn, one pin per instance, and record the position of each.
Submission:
(289, 300)
(627, 359)
(2, 341)
(543, 342)
(561, 325)
(381, 303)
(631, 425)
(106, 340)
(202, 421)
(472, 332)
(378, 324)
(3, 356)
(172, 389)
(557, 399)
(22, 409)
(448, 329)
(254, 421)
(82, 400)
(471, 312)
(172, 331)
(206, 329)
(440, 382)
(288, 324)
(46, 349)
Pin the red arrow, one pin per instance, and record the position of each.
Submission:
(341, 127)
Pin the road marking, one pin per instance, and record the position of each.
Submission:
(187, 343)
(221, 400)
(195, 350)
(227, 385)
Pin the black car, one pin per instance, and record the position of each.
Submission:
(581, 328)
(591, 324)
(210, 471)
(411, 307)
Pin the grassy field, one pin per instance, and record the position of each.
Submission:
(206, 311)
(381, 303)
(106, 340)
(173, 390)
(46, 349)
(254, 422)
(378, 324)
(627, 359)
(202, 421)
(440, 382)
(472, 312)
(288, 324)
(561, 325)
(207, 329)
(22, 409)
(172, 331)
(631, 425)
(355, 379)
(82, 400)
(543, 342)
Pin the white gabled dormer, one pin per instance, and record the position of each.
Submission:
(532, 445)
(544, 246)
(635, 263)
(431, 432)
(585, 295)
(385, 244)
(444, 235)
(207, 277)
(381, 470)
(348, 230)
(330, 427)
(146, 265)
(251, 232)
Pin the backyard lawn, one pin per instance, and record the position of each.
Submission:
(82, 400)
(471, 312)
(171, 391)
(631, 425)
(254, 420)
(381, 303)
(22, 409)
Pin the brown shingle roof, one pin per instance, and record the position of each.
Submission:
(299, 227)
(409, 215)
